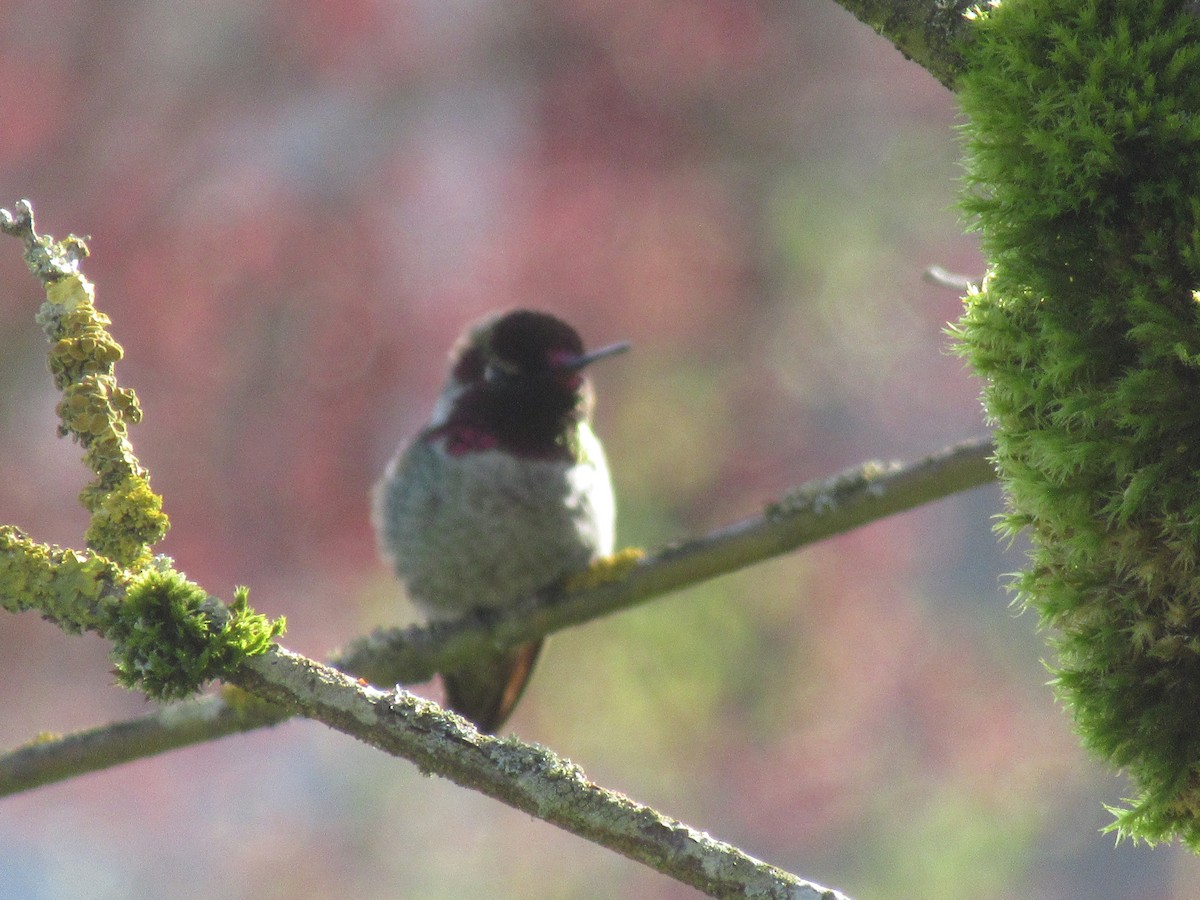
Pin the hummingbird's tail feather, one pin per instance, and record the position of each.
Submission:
(488, 691)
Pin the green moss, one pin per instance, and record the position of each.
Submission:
(170, 637)
(1084, 177)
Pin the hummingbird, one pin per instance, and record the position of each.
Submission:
(503, 493)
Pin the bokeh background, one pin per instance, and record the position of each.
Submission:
(295, 206)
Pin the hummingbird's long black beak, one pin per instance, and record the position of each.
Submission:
(583, 360)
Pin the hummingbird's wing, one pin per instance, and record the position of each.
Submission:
(489, 689)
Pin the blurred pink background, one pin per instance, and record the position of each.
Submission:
(295, 207)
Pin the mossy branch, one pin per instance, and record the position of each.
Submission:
(169, 636)
(1084, 175)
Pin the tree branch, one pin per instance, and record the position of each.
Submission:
(524, 776)
(50, 758)
(931, 34)
(805, 515)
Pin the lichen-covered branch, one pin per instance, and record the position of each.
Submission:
(524, 776)
(169, 636)
(389, 656)
(127, 517)
(810, 513)
(50, 758)
(73, 589)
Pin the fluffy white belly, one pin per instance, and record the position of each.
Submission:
(487, 529)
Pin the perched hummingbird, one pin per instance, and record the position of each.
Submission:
(504, 492)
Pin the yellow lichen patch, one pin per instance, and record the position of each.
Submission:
(92, 350)
(169, 635)
(127, 520)
(127, 517)
(71, 292)
(607, 569)
(88, 410)
(66, 586)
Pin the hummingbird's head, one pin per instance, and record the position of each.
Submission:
(524, 350)
(517, 382)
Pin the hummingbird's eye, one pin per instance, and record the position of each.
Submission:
(498, 370)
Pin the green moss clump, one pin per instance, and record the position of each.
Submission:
(169, 637)
(1084, 177)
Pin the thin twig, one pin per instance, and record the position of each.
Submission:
(955, 281)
